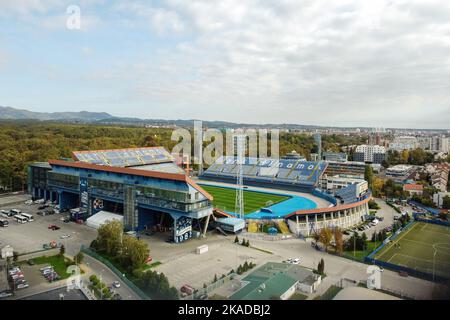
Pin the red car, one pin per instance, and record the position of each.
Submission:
(54, 227)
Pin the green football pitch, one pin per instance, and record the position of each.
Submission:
(424, 247)
(224, 199)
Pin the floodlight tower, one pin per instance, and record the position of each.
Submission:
(239, 201)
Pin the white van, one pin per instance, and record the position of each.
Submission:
(20, 219)
(15, 211)
(28, 216)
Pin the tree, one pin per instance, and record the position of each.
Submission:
(15, 256)
(325, 237)
(339, 240)
(236, 240)
(79, 257)
(215, 278)
(321, 266)
(62, 250)
(134, 252)
(377, 186)
(368, 176)
(109, 237)
(364, 241)
(405, 156)
(446, 203)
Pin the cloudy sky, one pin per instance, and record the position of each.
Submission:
(382, 63)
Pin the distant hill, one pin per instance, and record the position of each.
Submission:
(9, 113)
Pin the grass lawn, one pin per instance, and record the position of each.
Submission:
(329, 294)
(424, 247)
(224, 199)
(58, 262)
(298, 296)
(361, 254)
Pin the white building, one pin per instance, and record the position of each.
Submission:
(337, 182)
(424, 143)
(370, 153)
(439, 144)
(404, 143)
(438, 198)
(400, 170)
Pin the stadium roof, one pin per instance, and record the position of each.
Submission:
(124, 157)
(132, 171)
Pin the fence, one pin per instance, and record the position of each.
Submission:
(413, 272)
(430, 210)
(438, 222)
(213, 286)
(130, 284)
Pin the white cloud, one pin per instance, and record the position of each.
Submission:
(380, 62)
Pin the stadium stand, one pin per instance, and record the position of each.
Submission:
(124, 157)
(350, 194)
(290, 173)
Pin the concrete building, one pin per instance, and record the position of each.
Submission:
(439, 144)
(438, 173)
(404, 143)
(143, 185)
(424, 143)
(370, 154)
(276, 281)
(335, 156)
(438, 198)
(350, 168)
(413, 189)
(333, 183)
(400, 170)
(308, 222)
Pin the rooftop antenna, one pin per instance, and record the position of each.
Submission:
(239, 201)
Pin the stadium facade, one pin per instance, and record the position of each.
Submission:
(142, 184)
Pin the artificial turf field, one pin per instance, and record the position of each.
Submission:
(224, 199)
(415, 248)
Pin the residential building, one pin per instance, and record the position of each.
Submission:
(413, 189)
(370, 154)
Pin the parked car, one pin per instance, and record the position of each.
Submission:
(22, 286)
(53, 227)
(29, 202)
(4, 223)
(296, 261)
(5, 294)
(116, 284)
(65, 236)
(187, 289)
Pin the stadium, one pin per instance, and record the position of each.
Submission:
(147, 190)
(286, 191)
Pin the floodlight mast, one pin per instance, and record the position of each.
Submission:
(239, 201)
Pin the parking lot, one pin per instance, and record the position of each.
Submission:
(31, 236)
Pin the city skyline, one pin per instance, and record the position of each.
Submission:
(346, 64)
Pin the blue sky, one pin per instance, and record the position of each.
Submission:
(376, 63)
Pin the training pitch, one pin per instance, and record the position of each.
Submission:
(224, 199)
(424, 247)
